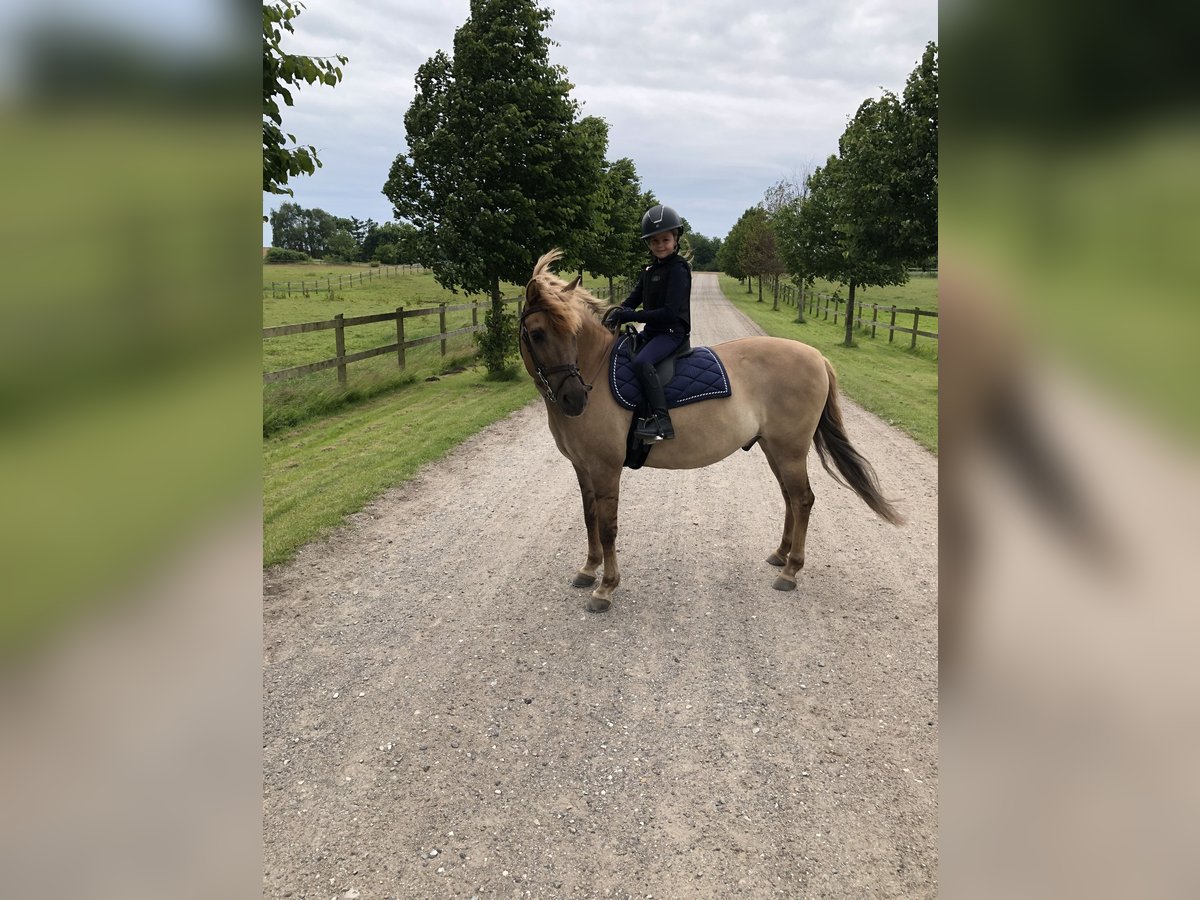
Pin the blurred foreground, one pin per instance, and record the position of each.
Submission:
(1070, 214)
(129, 454)
(129, 457)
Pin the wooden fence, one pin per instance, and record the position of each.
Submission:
(816, 303)
(339, 324)
(348, 279)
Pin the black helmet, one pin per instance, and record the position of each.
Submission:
(659, 219)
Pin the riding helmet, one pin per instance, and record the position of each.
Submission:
(659, 219)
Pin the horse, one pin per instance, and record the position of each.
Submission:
(784, 398)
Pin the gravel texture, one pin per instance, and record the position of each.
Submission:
(442, 718)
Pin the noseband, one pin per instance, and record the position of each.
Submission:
(543, 372)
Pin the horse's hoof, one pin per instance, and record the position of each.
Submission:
(598, 604)
(775, 560)
(784, 584)
(582, 580)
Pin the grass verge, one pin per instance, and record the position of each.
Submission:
(317, 474)
(897, 384)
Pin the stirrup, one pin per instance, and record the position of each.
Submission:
(648, 429)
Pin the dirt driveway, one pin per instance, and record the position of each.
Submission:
(442, 718)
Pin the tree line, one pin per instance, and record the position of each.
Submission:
(500, 165)
(863, 218)
(321, 235)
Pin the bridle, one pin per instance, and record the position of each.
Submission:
(543, 372)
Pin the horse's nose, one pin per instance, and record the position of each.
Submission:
(574, 402)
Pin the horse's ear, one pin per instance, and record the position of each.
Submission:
(574, 284)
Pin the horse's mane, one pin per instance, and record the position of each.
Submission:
(547, 291)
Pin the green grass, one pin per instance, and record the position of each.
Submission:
(898, 385)
(330, 448)
(297, 400)
(920, 290)
(316, 474)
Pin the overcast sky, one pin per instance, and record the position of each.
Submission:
(713, 101)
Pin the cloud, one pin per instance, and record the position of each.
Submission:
(712, 103)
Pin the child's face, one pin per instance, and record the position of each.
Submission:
(662, 245)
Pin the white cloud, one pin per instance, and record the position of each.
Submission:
(713, 102)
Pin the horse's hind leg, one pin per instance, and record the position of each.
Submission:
(792, 473)
(586, 576)
(779, 557)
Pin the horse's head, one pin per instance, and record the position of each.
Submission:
(550, 326)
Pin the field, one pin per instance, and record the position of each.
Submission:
(897, 384)
(296, 400)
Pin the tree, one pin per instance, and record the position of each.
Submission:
(870, 211)
(729, 256)
(920, 106)
(809, 242)
(752, 250)
(281, 70)
(403, 239)
(704, 251)
(287, 226)
(614, 246)
(498, 169)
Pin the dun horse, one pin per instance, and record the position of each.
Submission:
(784, 398)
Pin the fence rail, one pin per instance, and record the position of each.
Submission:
(305, 286)
(816, 303)
(340, 323)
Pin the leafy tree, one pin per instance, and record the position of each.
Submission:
(341, 245)
(310, 230)
(870, 210)
(729, 257)
(809, 241)
(386, 253)
(280, 71)
(920, 188)
(614, 246)
(754, 247)
(287, 226)
(704, 252)
(402, 237)
(499, 168)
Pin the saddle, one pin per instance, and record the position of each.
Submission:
(688, 375)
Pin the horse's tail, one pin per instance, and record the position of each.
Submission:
(856, 473)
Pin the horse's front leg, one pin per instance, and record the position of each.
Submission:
(586, 576)
(607, 486)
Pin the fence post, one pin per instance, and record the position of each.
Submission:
(339, 338)
(892, 329)
(916, 325)
(874, 319)
(837, 305)
(442, 325)
(475, 314)
(400, 335)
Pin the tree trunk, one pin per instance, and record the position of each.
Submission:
(800, 300)
(760, 289)
(612, 297)
(849, 342)
(774, 293)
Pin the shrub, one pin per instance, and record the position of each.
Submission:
(284, 255)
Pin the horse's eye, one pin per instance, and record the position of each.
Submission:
(537, 336)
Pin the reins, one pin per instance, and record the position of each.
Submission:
(543, 372)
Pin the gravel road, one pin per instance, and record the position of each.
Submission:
(442, 718)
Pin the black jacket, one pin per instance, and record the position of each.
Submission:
(664, 291)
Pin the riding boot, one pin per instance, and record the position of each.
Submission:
(657, 426)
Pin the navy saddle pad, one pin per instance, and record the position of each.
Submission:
(699, 375)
